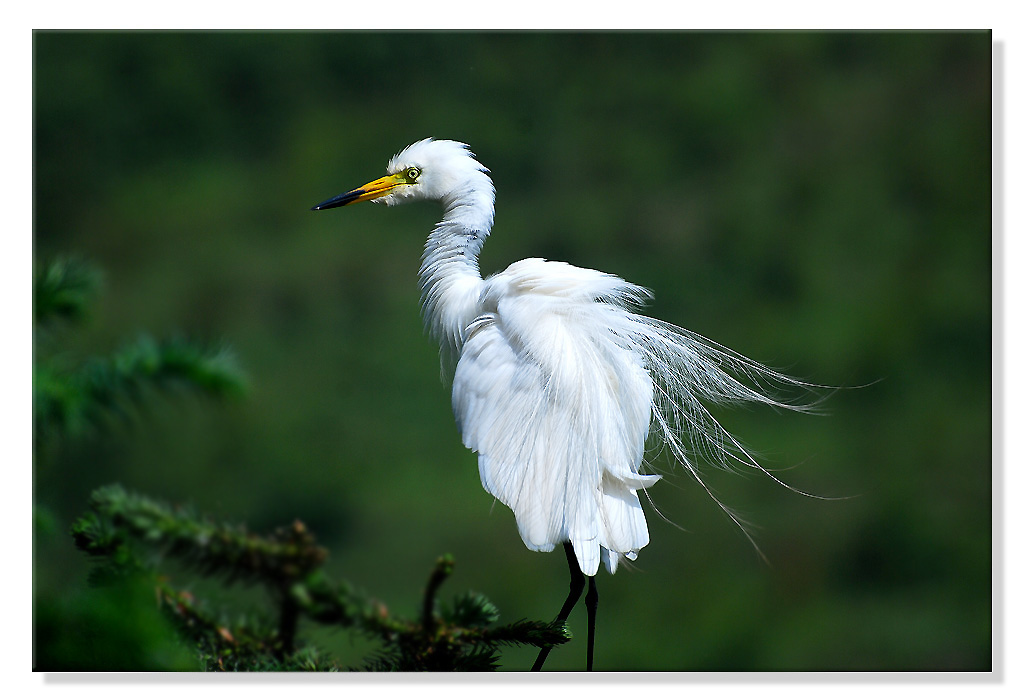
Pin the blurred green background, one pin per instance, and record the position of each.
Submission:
(817, 201)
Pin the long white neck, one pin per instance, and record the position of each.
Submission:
(450, 280)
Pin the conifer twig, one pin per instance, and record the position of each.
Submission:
(289, 564)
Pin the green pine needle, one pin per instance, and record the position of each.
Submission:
(68, 403)
(122, 527)
(63, 289)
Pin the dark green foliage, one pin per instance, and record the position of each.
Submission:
(71, 398)
(210, 548)
(122, 528)
(69, 402)
(460, 637)
(116, 626)
(63, 289)
(149, 362)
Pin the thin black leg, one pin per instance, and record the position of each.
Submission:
(591, 602)
(576, 581)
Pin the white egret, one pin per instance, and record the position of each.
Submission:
(558, 381)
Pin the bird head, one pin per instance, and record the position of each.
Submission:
(428, 169)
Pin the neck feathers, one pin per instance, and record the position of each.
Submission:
(450, 280)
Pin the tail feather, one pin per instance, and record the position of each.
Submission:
(689, 372)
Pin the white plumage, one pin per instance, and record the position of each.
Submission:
(550, 393)
(558, 380)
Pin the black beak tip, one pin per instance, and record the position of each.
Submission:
(339, 201)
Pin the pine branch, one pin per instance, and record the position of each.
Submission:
(69, 399)
(289, 564)
(69, 402)
(442, 570)
(117, 384)
(525, 632)
(223, 646)
(336, 603)
(213, 549)
(460, 638)
(213, 371)
(63, 289)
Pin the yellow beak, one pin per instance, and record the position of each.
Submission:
(371, 190)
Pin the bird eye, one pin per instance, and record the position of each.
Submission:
(412, 173)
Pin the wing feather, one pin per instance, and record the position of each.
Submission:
(557, 387)
(558, 410)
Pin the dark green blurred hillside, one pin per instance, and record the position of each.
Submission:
(819, 202)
